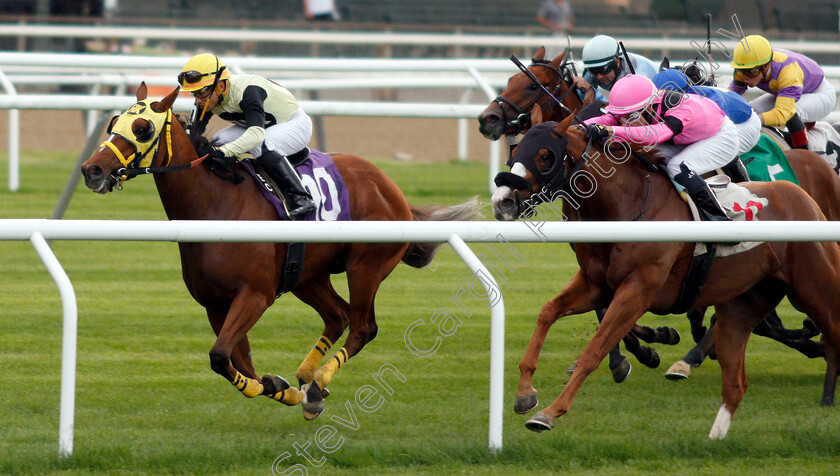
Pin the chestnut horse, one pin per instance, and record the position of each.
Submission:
(815, 176)
(630, 279)
(237, 282)
(523, 104)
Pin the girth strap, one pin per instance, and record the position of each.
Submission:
(694, 280)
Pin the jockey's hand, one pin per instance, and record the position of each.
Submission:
(581, 84)
(597, 132)
(216, 154)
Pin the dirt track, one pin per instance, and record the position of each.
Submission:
(420, 139)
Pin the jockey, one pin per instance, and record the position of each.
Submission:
(733, 105)
(267, 121)
(604, 64)
(689, 131)
(798, 92)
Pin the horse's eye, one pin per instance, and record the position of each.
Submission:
(544, 160)
(533, 87)
(143, 130)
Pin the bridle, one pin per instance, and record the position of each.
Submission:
(522, 119)
(133, 165)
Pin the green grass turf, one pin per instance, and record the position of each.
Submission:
(147, 402)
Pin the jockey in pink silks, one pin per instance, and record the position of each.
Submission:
(691, 132)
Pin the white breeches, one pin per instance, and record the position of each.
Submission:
(704, 155)
(811, 107)
(286, 138)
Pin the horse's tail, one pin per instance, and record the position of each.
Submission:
(419, 255)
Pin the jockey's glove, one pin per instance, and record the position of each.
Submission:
(597, 132)
(210, 151)
(216, 154)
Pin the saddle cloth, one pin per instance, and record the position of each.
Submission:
(321, 179)
(824, 140)
(739, 204)
(766, 162)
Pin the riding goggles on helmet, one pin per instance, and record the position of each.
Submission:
(191, 77)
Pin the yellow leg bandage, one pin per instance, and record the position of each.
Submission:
(324, 375)
(290, 396)
(307, 368)
(248, 386)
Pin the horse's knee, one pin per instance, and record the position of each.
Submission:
(219, 362)
(372, 330)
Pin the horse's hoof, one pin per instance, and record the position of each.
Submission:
(540, 422)
(313, 401)
(669, 335)
(827, 402)
(621, 371)
(679, 371)
(525, 403)
(274, 383)
(572, 367)
(650, 358)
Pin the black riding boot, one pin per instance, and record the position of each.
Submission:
(736, 171)
(699, 191)
(298, 199)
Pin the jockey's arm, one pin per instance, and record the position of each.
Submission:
(790, 87)
(252, 107)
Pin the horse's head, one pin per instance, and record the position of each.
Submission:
(134, 140)
(509, 113)
(538, 169)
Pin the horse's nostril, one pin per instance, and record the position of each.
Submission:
(507, 204)
(92, 172)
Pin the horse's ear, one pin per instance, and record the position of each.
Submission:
(540, 54)
(536, 115)
(559, 59)
(142, 91)
(665, 64)
(561, 127)
(167, 102)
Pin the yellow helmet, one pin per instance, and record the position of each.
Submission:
(202, 70)
(752, 51)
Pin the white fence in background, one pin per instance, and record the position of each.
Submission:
(37, 231)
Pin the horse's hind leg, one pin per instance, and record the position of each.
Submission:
(619, 365)
(367, 266)
(735, 321)
(334, 311)
(681, 369)
(800, 339)
(831, 369)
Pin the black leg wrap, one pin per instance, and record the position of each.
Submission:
(299, 200)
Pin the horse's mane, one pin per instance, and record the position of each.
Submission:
(221, 167)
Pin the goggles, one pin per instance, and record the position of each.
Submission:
(601, 70)
(204, 92)
(752, 72)
(191, 77)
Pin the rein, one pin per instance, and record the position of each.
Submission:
(523, 116)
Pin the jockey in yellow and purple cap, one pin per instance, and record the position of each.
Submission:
(797, 91)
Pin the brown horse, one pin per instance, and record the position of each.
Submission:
(510, 113)
(633, 278)
(237, 282)
(815, 176)
(523, 104)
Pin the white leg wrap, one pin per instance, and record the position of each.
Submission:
(721, 426)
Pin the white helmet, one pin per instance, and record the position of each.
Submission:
(600, 51)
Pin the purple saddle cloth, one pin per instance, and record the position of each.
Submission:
(322, 180)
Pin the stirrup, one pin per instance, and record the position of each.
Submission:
(302, 210)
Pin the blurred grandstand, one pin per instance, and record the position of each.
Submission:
(809, 19)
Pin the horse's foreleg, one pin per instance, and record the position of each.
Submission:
(619, 365)
(243, 313)
(627, 306)
(577, 297)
